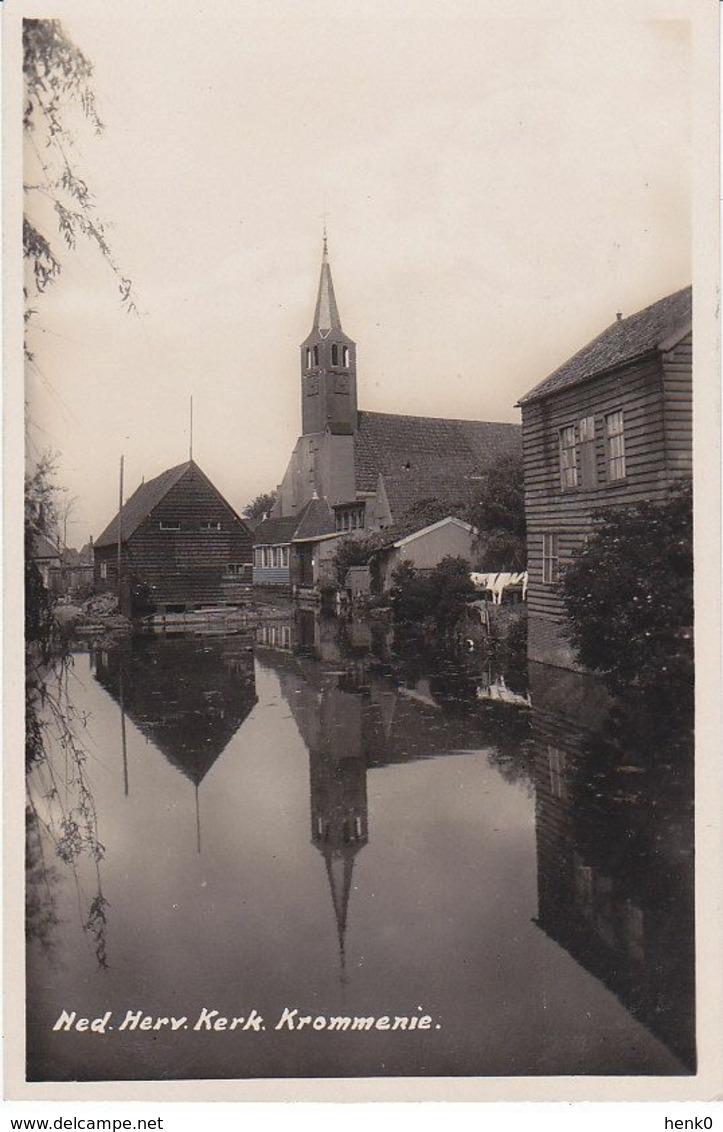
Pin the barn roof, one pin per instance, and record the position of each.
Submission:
(139, 506)
(146, 498)
(427, 457)
(624, 341)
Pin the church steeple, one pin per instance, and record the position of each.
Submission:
(326, 315)
(328, 365)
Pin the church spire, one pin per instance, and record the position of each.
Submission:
(326, 315)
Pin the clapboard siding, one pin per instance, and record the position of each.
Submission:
(655, 397)
(187, 566)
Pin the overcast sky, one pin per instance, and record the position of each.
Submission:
(496, 190)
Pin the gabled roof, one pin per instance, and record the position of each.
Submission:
(407, 530)
(624, 341)
(143, 500)
(147, 497)
(427, 457)
(44, 548)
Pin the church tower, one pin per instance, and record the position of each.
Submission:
(328, 366)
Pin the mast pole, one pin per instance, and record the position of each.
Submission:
(120, 528)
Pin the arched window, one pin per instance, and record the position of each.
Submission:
(316, 355)
(308, 358)
(335, 355)
(346, 356)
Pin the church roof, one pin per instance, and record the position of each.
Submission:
(624, 341)
(427, 457)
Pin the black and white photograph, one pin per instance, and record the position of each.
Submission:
(361, 349)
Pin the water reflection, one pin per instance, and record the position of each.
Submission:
(187, 695)
(614, 822)
(385, 825)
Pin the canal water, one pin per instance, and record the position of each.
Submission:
(324, 823)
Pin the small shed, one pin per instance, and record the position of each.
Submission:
(424, 548)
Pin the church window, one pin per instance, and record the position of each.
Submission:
(335, 355)
(308, 358)
(316, 355)
(345, 356)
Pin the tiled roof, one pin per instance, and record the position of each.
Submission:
(44, 548)
(381, 540)
(141, 503)
(273, 532)
(427, 457)
(313, 521)
(317, 519)
(622, 342)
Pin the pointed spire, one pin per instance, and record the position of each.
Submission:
(326, 315)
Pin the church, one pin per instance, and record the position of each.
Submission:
(371, 469)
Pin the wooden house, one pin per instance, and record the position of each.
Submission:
(48, 559)
(611, 427)
(182, 547)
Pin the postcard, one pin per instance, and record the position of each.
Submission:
(360, 426)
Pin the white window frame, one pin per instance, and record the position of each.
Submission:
(550, 558)
(615, 446)
(567, 443)
(211, 525)
(165, 525)
(104, 571)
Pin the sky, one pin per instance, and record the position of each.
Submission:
(495, 190)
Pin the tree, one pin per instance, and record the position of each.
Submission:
(629, 596)
(260, 506)
(57, 77)
(351, 552)
(498, 513)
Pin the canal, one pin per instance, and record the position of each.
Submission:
(325, 820)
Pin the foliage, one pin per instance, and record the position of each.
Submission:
(60, 802)
(498, 513)
(441, 593)
(629, 596)
(260, 506)
(57, 76)
(352, 551)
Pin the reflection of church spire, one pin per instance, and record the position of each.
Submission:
(339, 826)
(198, 823)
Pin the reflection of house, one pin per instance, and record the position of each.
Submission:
(424, 548)
(612, 426)
(183, 546)
(614, 836)
(188, 698)
(373, 467)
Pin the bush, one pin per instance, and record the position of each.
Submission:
(442, 593)
(629, 596)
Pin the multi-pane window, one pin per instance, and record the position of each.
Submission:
(550, 558)
(104, 570)
(586, 455)
(568, 458)
(211, 526)
(166, 526)
(349, 518)
(615, 440)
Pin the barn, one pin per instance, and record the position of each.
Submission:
(182, 547)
